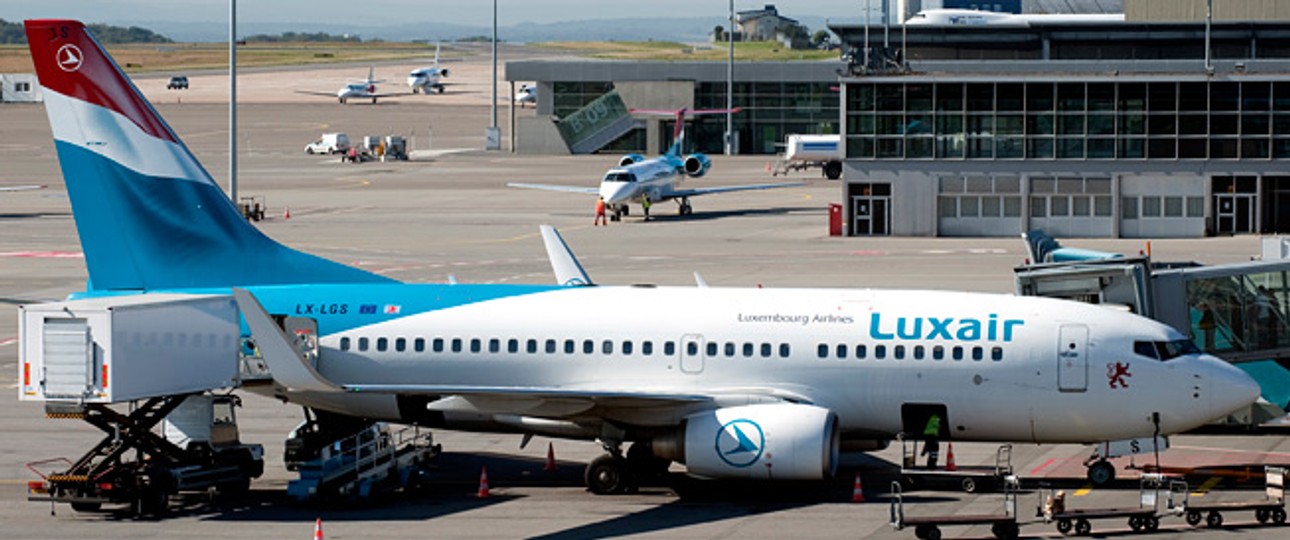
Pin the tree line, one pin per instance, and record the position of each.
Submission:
(12, 33)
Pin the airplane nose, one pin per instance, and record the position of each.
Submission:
(1230, 388)
(616, 193)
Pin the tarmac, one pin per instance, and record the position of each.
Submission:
(450, 215)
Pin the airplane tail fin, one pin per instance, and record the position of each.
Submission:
(149, 216)
(678, 131)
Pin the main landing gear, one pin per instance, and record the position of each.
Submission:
(615, 474)
(684, 207)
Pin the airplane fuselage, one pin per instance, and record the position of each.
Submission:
(1005, 368)
(656, 177)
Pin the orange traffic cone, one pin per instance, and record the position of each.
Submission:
(483, 483)
(318, 529)
(550, 458)
(286, 213)
(857, 492)
(949, 459)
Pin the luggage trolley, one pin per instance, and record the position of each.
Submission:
(969, 478)
(1271, 508)
(1142, 518)
(1004, 526)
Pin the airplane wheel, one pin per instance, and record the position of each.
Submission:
(1083, 527)
(416, 90)
(309, 151)
(1193, 518)
(1064, 526)
(607, 475)
(1263, 515)
(1214, 520)
(1279, 516)
(373, 101)
(1101, 473)
(440, 89)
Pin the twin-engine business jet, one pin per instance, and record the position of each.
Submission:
(426, 79)
(359, 89)
(731, 382)
(659, 179)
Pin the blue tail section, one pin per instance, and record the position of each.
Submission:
(149, 216)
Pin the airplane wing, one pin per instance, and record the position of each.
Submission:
(695, 192)
(553, 187)
(331, 94)
(21, 188)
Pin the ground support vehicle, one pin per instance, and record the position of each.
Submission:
(135, 466)
(803, 152)
(968, 478)
(1272, 508)
(1004, 526)
(370, 462)
(1145, 517)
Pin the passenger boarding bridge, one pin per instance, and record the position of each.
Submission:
(1238, 312)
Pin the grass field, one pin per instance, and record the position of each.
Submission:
(139, 58)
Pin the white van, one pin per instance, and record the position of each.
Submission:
(330, 143)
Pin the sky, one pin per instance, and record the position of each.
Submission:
(382, 12)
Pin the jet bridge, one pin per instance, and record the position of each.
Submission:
(1238, 312)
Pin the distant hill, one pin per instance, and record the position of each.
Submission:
(13, 34)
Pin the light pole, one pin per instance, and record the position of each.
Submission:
(730, 84)
(232, 101)
(492, 135)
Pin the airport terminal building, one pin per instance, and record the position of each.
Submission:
(1081, 129)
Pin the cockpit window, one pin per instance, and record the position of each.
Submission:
(618, 176)
(1165, 350)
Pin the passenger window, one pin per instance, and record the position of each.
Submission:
(996, 354)
(765, 350)
(712, 349)
(730, 349)
(938, 353)
(627, 347)
(691, 349)
(362, 344)
(344, 344)
(530, 346)
(382, 344)
(476, 345)
(437, 345)
(588, 346)
(400, 344)
(647, 348)
(784, 351)
(456, 345)
(513, 346)
(879, 351)
(568, 346)
(550, 346)
(957, 353)
(918, 352)
(978, 353)
(669, 348)
(419, 344)
(494, 345)
(607, 347)
(748, 350)
(860, 352)
(822, 350)
(842, 351)
(899, 352)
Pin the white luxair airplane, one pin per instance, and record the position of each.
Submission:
(732, 382)
(426, 80)
(359, 89)
(659, 178)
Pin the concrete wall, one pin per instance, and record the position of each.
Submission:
(1194, 10)
(19, 88)
(656, 94)
(538, 135)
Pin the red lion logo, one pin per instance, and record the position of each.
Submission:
(1116, 373)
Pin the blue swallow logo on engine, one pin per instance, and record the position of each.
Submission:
(740, 442)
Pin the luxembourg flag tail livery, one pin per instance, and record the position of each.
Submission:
(149, 215)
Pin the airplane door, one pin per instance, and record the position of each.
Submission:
(692, 354)
(1072, 358)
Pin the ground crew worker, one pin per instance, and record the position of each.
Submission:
(645, 205)
(600, 213)
(932, 447)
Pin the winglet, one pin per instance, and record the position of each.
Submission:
(566, 267)
(699, 281)
(287, 365)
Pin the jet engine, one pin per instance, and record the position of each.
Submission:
(696, 165)
(630, 159)
(783, 441)
(443, 72)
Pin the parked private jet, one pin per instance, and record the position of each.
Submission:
(732, 382)
(527, 95)
(658, 179)
(359, 89)
(426, 80)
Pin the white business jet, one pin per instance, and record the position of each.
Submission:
(741, 383)
(426, 80)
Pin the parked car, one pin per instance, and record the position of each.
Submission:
(330, 143)
(178, 82)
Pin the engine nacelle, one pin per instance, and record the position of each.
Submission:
(780, 441)
(696, 165)
(630, 159)
(443, 72)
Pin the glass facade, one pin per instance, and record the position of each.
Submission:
(1240, 313)
(1122, 120)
